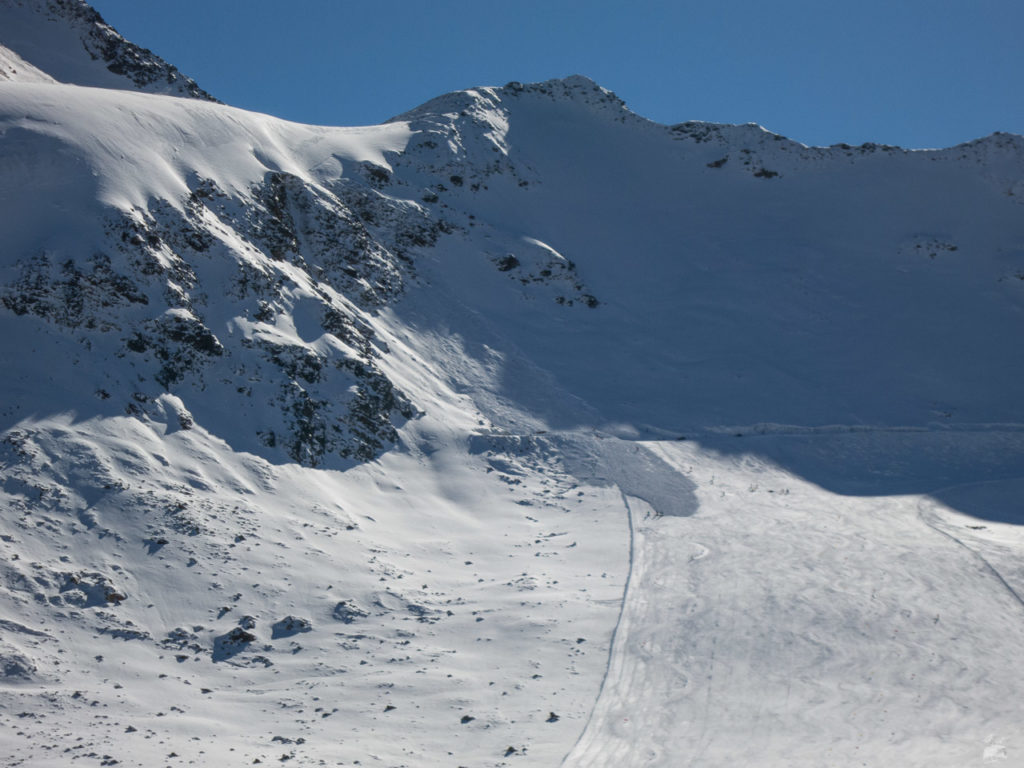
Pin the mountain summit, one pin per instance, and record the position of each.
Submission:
(68, 41)
(519, 426)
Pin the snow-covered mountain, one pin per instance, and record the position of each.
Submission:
(69, 42)
(517, 430)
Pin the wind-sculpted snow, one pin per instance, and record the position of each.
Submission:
(629, 466)
(604, 461)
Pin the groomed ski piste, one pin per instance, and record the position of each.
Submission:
(780, 624)
(519, 430)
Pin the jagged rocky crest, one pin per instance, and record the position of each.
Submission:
(101, 44)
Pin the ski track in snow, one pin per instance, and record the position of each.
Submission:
(779, 613)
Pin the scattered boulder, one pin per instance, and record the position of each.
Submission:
(507, 263)
(348, 612)
(290, 625)
(15, 666)
(88, 589)
(231, 644)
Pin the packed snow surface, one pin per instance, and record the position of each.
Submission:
(519, 430)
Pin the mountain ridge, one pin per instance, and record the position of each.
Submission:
(583, 89)
(44, 33)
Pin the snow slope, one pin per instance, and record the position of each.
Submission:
(517, 430)
(785, 625)
(15, 68)
(836, 291)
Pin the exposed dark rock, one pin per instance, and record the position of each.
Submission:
(232, 643)
(288, 626)
(348, 612)
(507, 263)
(71, 296)
(139, 65)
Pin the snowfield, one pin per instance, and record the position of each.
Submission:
(785, 625)
(519, 430)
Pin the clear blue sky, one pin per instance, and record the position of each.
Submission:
(918, 73)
